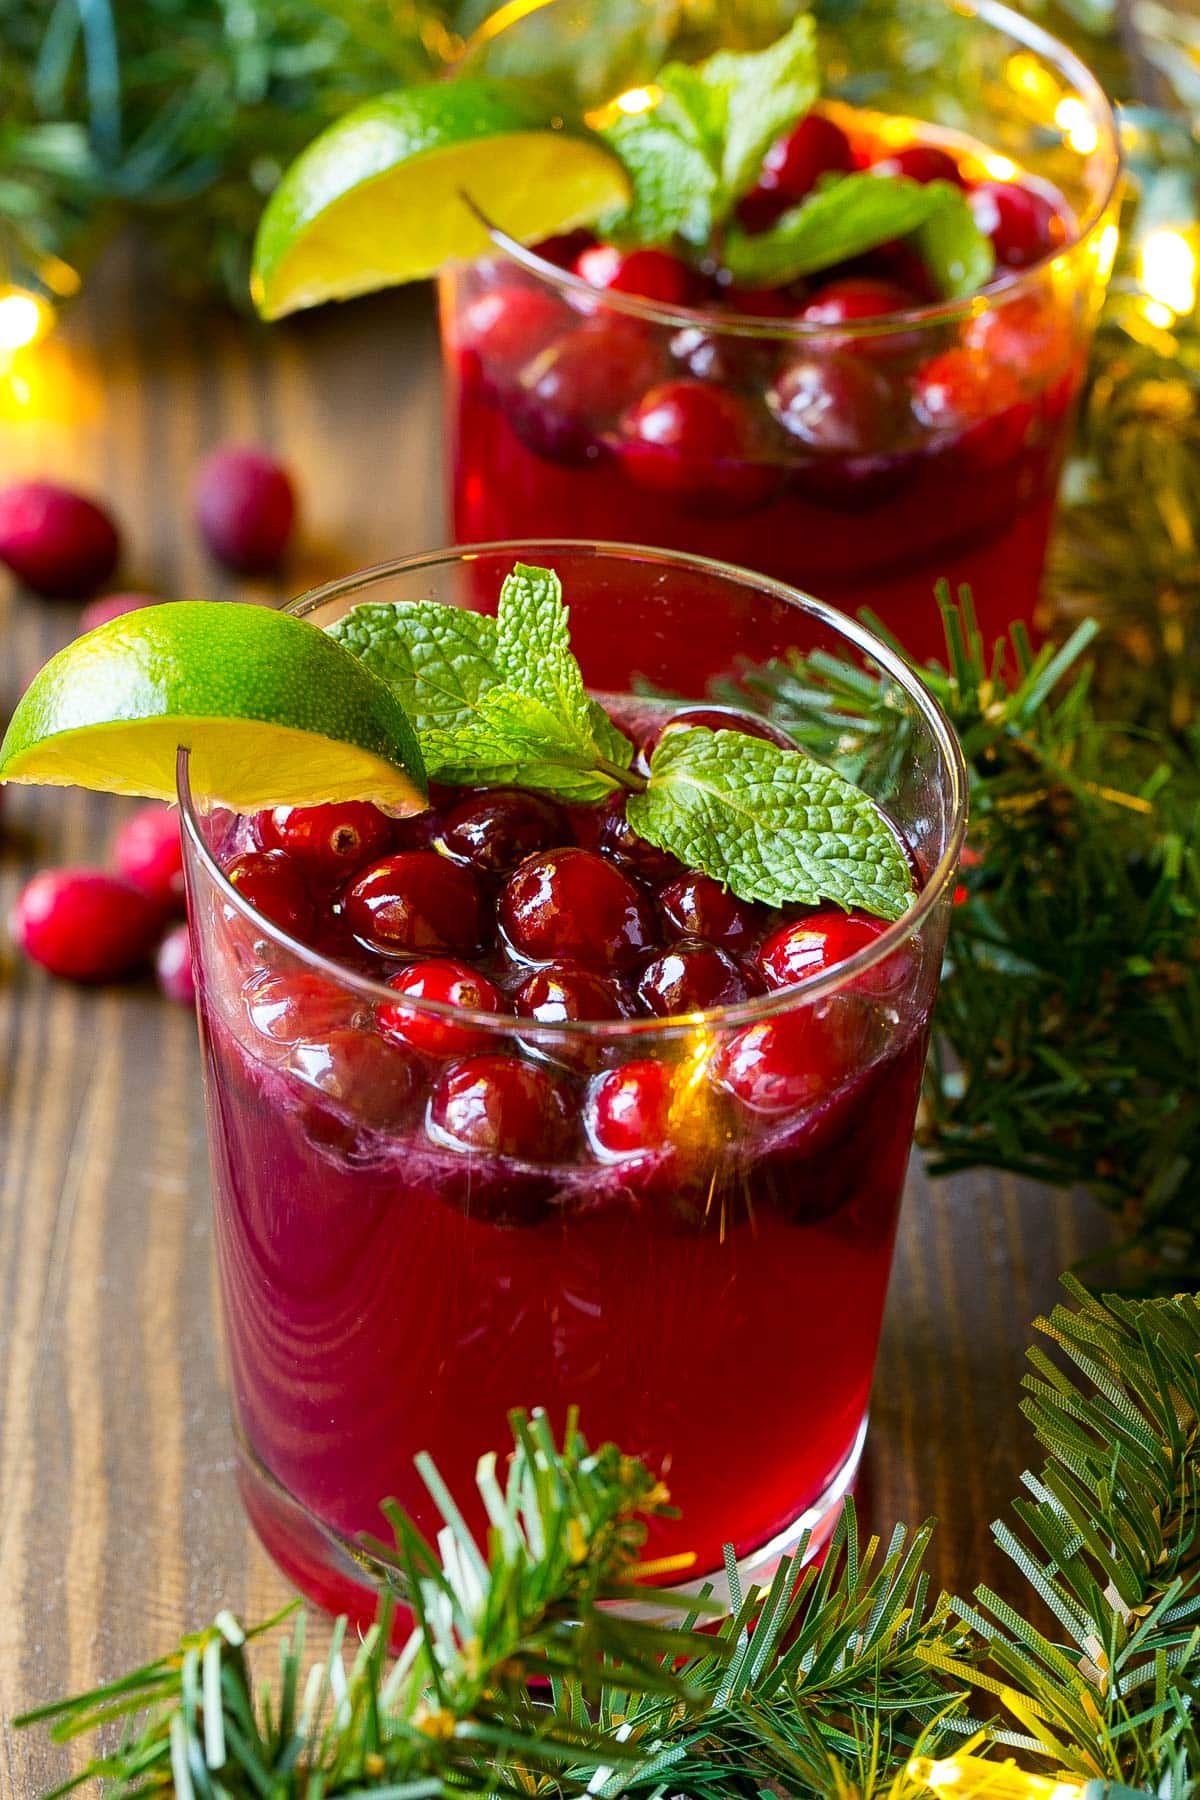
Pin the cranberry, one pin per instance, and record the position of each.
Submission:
(501, 1106)
(508, 326)
(376, 1083)
(759, 303)
(450, 983)
(54, 540)
(1022, 224)
(245, 509)
(287, 1005)
(495, 830)
(790, 1062)
(792, 167)
(628, 1110)
(561, 993)
(576, 905)
(573, 392)
(698, 443)
(84, 924)
(697, 906)
(920, 162)
(808, 946)
(148, 852)
(712, 718)
(273, 885)
(173, 966)
(329, 841)
(563, 248)
(690, 977)
(856, 298)
(651, 274)
(621, 844)
(417, 900)
(1027, 333)
(719, 356)
(959, 392)
(836, 404)
(112, 606)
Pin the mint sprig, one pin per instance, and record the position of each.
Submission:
(501, 703)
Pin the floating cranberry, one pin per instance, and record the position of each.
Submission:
(561, 993)
(148, 851)
(508, 326)
(375, 1083)
(719, 356)
(112, 606)
(758, 303)
(698, 443)
(808, 946)
(417, 900)
(288, 1005)
(981, 402)
(697, 906)
(1022, 224)
(328, 842)
(173, 967)
(273, 885)
(792, 167)
(627, 1111)
(837, 404)
(574, 391)
(650, 274)
(245, 508)
(449, 983)
(1026, 332)
(502, 1106)
(621, 844)
(574, 905)
(563, 247)
(690, 977)
(790, 1062)
(920, 162)
(859, 299)
(495, 830)
(56, 541)
(84, 924)
(712, 718)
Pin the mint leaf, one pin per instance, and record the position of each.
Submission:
(761, 94)
(438, 659)
(844, 217)
(533, 649)
(673, 183)
(959, 258)
(772, 824)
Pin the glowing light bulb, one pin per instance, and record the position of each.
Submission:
(976, 1776)
(1000, 168)
(1168, 270)
(638, 99)
(1072, 116)
(23, 319)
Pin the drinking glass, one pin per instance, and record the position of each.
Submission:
(714, 1307)
(875, 498)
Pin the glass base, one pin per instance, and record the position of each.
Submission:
(339, 1574)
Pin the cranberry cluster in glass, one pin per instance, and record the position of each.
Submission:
(504, 903)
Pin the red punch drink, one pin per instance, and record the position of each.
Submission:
(508, 1107)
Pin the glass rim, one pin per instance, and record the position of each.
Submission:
(746, 1012)
(928, 313)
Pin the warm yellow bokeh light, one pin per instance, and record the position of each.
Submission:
(976, 1776)
(638, 99)
(1072, 116)
(1167, 270)
(23, 319)
(1032, 79)
(1000, 168)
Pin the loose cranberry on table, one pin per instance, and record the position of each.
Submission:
(502, 1106)
(576, 905)
(148, 851)
(56, 542)
(648, 274)
(417, 900)
(495, 830)
(450, 983)
(691, 977)
(272, 885)
(920, 162)
(627, 1111)
(85, 925)
(792, 167)
(794, 1060)
(697, 906)
(570, 395)
(328, 842)
(173, 966)
(838, 404)
(286, 1005)
(375, 1082)
(699, 444)
(1022, 224)
(245, 508)
(508, 326)
(112, 606)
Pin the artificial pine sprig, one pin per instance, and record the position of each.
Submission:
(823, 1684)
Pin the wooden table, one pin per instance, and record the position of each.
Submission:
(119, 1521)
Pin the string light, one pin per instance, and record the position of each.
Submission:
(24, 318)
(1167, 271)
(975, 1776)
(638, 99)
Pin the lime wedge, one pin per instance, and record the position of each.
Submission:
(273, 710)
(378, 198)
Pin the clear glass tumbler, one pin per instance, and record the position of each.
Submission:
(715, 1306)
(867, 490)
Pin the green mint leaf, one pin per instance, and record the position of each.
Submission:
(844, 217)
(438, 659)
(772, 824)
(959, 258)
(761, 94)
(674, 185)
(533, 651)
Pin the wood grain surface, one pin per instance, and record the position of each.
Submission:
(119, 1521)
